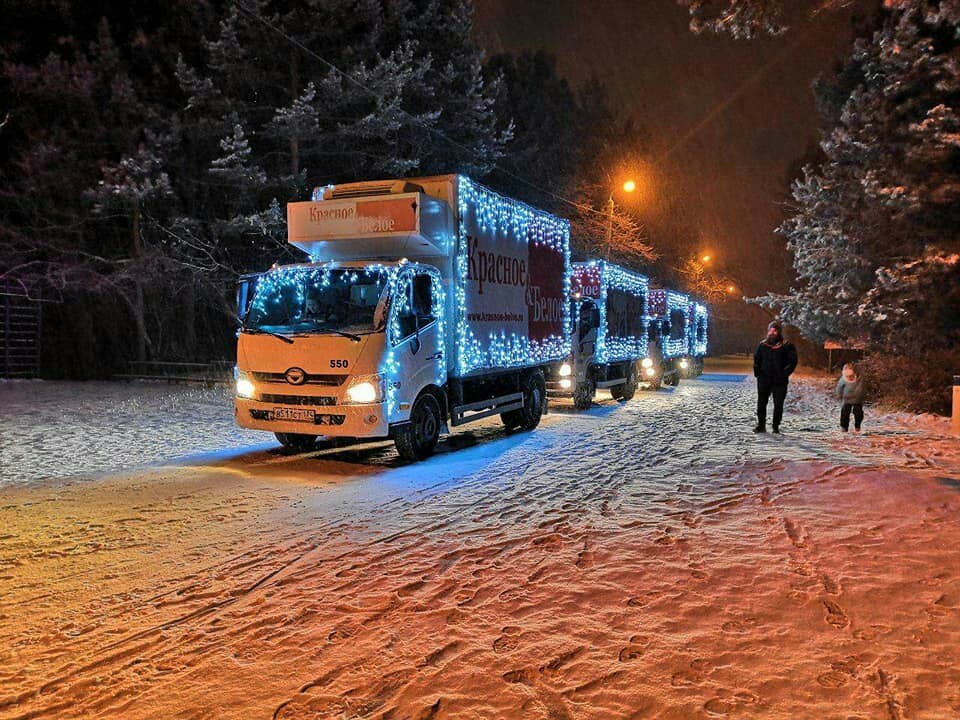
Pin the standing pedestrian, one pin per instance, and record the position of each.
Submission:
(851, 391)
(773, 363)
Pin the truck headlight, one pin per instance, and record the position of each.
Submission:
(647, 363)
(244, 387)
(684, 364)
(366, 390)
(650, 371)
(566, 370)
(565, 384)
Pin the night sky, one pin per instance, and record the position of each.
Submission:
(729, 118)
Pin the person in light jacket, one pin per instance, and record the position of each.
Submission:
(773, 364)
(851, 391)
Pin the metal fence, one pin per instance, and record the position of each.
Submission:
(20, 325)
(211, 373)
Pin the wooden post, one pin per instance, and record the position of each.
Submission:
(956, 404)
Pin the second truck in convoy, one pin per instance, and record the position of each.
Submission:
(609, 333)
(433, 302)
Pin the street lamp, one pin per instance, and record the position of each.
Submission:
(706, 259)
(629, 186)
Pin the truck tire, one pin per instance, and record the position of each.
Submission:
(674, 379)
(629, 388)
(534, 396)
(583, 395)
(418, 438)
(296, 441)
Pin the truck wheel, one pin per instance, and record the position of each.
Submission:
(295, 441)
(511, 419)
(674, 379)
(583, 395)
(534, 397)
(417, 439)
(629, 388)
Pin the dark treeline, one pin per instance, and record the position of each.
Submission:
(149, 149)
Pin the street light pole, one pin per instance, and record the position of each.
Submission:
(609, 226)
(629, 186)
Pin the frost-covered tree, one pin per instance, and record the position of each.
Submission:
(295, 94)
(747, 19)
(873, 228)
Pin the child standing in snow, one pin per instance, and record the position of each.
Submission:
(851, 391)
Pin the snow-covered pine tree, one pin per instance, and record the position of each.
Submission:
(873, 229)
(329, 91)
(747, 19)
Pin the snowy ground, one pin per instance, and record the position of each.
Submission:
(74, 429)
(650, 559)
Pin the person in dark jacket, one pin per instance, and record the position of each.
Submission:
(773, 363)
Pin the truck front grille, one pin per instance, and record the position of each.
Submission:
(297, 399)
(269, 377)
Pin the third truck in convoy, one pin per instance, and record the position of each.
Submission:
(432, 302)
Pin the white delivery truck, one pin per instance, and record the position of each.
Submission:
(609, 343)
(426, 302)
(668, 335)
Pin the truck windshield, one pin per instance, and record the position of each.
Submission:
(318, 300)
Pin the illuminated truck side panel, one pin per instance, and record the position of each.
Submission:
(699, 320)
(511, 284)
(621, 297)
(673, 308)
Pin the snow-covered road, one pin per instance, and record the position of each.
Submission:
(647, 559)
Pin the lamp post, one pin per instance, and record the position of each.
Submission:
(629, 186)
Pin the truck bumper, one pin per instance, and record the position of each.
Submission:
(360, 421)
(555, 388)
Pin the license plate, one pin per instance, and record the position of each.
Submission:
(295, 414)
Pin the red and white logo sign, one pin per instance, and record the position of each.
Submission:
(343, 219)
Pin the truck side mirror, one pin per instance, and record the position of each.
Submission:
(246, 286)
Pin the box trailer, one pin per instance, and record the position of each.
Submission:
(426, 302)
(609, 333)
(668, 336)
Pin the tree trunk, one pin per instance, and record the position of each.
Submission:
(138, 305)
(294, 143)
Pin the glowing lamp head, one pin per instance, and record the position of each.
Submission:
(684, 364)
(245, 388)
(364, 392)
(706, 258)
(629, 186)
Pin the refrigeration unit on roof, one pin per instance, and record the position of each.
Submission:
(371, 220)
